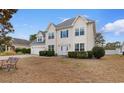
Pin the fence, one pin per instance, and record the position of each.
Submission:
(113, 52)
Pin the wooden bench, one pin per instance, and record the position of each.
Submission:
(10, 63)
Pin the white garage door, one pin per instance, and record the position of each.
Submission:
(36, 50)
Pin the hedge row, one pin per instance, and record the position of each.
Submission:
(96, 52)
(46, 53)
(81, 55)
(23, 50)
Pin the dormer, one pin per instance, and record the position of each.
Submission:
(41, 36)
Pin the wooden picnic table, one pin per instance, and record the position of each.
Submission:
(9, 63)
(2, 61)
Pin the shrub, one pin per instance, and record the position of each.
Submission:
(50, 53)
(23, 50)
(43, 53)
(28, 51)
(72, 54)
(8, 53)
(82, 55)
(123, 53)
(17, 50)
(46, 53)
(90, 54)
(98, 52)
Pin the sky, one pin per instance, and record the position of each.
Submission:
(109, 22)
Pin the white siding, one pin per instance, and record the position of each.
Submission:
(87, 38)
(51, 41)
(36, 49)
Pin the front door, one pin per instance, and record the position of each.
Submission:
(64, 49)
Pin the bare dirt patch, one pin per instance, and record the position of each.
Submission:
(59, 69)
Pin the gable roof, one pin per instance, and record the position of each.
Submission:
(43, 33)
(66, 23)
(50, 25)
(69, 22)
(20, 41)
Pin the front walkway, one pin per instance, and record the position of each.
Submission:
(19, 56)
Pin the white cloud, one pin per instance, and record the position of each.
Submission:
(63, 19)
(116, 27)
(25, 24)
(85, 16)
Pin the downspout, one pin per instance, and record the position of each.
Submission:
(87, 36)
(56, 42)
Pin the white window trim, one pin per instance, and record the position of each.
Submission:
(80, 46)
(79, 30)
(63, 32)
(40, 37)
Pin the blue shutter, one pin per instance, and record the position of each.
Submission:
(67, 33)
(61, 34)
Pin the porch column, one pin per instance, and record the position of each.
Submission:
(6, 48)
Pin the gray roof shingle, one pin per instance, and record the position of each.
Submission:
(66, 23)
(20, 41)
(69, 22)
(37, 43)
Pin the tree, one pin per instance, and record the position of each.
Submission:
(118, 44)
(5, 25)
(113, 45)
(99, 40)
(32, 37)
(98, 52)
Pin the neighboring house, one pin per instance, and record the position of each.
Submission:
(116, 51)
(18, 43)
(75, 34)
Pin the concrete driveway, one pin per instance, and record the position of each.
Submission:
(19, 56)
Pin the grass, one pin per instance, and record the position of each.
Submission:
(7, 53)
(0, 68)
(58, 69)
(64, 62)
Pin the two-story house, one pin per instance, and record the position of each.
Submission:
(75, 34)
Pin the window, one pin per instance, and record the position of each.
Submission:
(51, 47)
(39, 39)
(51, 36)
(64, 34)
(79, 32)
(76, 32)
(64, 48)
(79, 47)
(61, 48)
